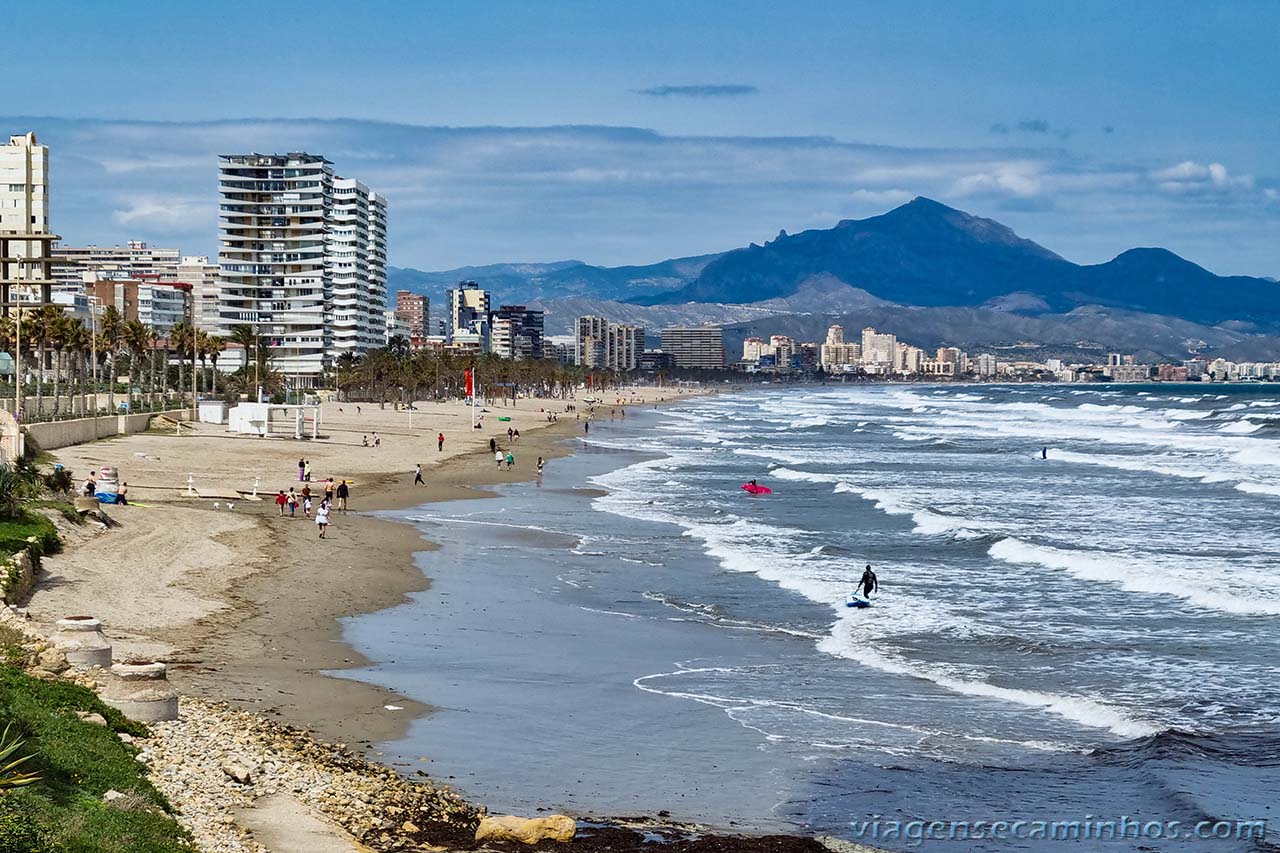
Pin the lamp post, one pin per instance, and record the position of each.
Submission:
(93, 342)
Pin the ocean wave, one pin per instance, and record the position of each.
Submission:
(1131, 574)
(1086, 712)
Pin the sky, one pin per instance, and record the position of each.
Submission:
(616, 132)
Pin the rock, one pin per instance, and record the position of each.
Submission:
(125, 737)
(526, 830)
(91, 717)
(409, 827)
(53, 660)
(113, 796)
(238, 772)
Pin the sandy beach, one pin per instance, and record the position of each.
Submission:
(244, 603)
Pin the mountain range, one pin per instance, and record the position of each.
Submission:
(928, 272)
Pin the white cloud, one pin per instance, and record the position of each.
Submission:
(165, 214)
(1190, 177)
(629, 195)
(1009, 179)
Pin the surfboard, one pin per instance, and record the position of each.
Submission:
(853, 600)
(756, 490)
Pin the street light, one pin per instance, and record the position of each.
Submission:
(94, 302)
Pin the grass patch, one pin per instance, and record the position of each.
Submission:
(15, 531)
(63, 508)
(78, 762)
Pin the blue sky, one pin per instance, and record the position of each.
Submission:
(631, 132)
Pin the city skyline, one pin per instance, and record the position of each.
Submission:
(492, 143)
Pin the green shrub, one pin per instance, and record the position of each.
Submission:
(17, 831)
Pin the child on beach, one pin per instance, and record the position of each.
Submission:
(322, 518)
(511, 460)
(377, 440)
(440, 442)
(497, 457)
(281, 500)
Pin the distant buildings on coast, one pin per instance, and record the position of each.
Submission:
(302, 263)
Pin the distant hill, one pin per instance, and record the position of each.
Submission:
(929, 272)
(558, 279)
(928, 254)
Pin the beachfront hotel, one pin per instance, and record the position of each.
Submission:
(302, 259)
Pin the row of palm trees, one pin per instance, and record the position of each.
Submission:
(396, 374)
(57, 347)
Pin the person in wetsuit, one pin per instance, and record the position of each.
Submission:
(869, 582)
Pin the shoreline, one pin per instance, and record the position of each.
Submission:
(308, 641)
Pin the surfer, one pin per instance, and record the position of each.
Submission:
(753, 484)
(869, 582)
(1044, 453)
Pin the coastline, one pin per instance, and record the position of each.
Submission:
(303, 632)
(255, 624)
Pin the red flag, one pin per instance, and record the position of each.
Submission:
(471, 389)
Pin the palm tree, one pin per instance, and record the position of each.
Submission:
(137, 339)
(58, 332)
(216, 346)
(111, 332)
(182, 336)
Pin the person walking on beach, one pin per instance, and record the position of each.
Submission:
(322, 518)
(328, 491)
(869, 582)
(417, 475)
(377, 440)
(540, 464)
(586, 427)
(499, 458)
(343, 493)
(510, 434)
(302, 469)
(293, 502)
(493, 445)
(281, 500)
(439, 442)
(516, 436)
(511, 460)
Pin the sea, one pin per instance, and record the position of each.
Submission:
(1078, 623)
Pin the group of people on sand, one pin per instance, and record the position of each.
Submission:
(334, 496)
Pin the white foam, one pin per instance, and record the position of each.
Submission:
(1133, 574)
(1258, 488)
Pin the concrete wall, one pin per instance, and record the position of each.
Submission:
(55, 434)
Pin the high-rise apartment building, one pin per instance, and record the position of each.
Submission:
(836, 354)
(468, 312)
(695, 346)
(197, 271)
(878, 349)
(133, 260)
(415, 310)
(607, 345)
(25, 239)
(516, 332)
(302, 259)
(24, 185)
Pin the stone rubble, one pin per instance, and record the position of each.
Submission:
(216, 759)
